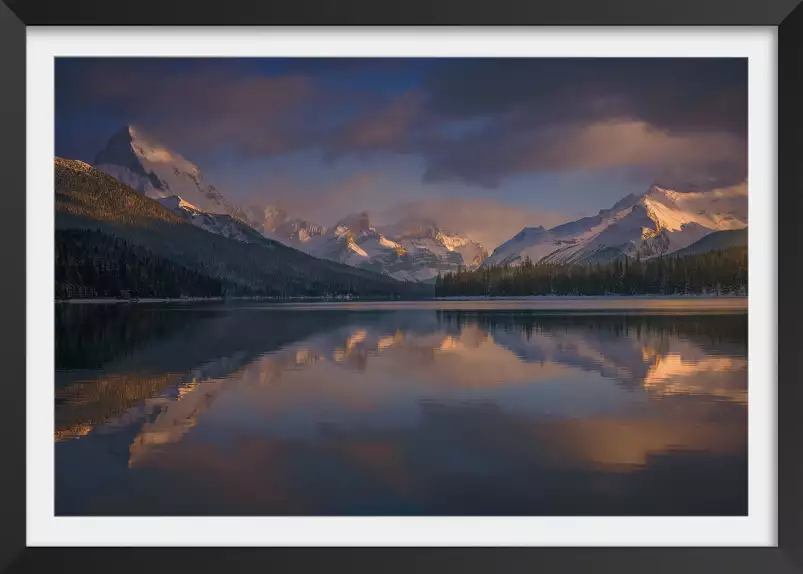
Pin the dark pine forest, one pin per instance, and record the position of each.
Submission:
(722, 272)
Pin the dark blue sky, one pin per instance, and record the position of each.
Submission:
(485, 143)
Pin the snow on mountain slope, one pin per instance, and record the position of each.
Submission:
(411, 250)
(415, 234)
(354, 241)
(220, 224)
(658, 222)
(137, 160)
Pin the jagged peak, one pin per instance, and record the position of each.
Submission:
(118, 151)
(628, 201)
(356, 222)
(129, 134)
(130, 145)
(134, 133)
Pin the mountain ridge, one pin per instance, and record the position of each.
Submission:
(658, 222)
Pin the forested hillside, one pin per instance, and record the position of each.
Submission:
(714, 272)
(165, 255)
(90, 263)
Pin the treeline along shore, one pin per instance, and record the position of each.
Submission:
(721, 272)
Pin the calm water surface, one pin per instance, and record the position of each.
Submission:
(441, 408)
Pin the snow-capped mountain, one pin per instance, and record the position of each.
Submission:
(658, 222)
(354, 241)
(139, 161)
(410, 250)
(424, 234)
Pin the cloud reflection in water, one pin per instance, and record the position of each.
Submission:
(426, 412)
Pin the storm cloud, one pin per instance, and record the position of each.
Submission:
(476, 123)
(557, 114)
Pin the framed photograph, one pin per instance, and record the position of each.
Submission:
(417, 288)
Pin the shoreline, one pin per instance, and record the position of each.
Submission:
(109, 300)
(291, 300)
(589, 298)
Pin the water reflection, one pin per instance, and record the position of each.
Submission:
(265, 411)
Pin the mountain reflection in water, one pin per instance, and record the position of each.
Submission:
(209, 410)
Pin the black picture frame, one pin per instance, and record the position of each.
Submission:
(15, 15)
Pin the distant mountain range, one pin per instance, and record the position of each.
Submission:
(157, 200)
(410, 250)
